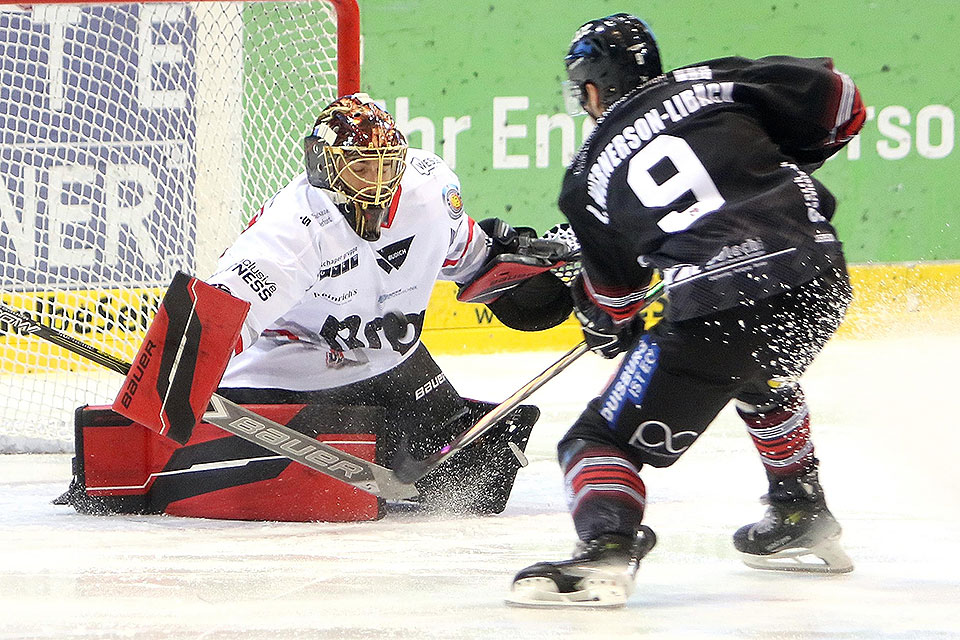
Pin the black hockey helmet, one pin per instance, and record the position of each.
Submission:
(357, 153)
(616, 54)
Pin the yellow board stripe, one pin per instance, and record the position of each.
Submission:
(887, 299)
(112, 320)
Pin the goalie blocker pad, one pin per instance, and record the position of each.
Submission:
(504, 271)
(123, 467)
(182, 358)
(522, 289)
(501, 274)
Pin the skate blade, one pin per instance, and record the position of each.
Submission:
(826, 557)
(539, 593)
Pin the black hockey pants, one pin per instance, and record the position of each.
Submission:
(670, 387)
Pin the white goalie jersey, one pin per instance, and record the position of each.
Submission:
(319, 293)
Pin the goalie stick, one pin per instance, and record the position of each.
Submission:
(409, 470)
(244, 423)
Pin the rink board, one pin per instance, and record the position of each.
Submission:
(887, 299)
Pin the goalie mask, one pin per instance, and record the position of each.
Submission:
(616, 54)
(357, 153)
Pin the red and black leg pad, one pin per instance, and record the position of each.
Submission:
(123, 467)
(182, 358)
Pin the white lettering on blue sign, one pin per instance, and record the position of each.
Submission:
(630, 384)
(97, 168)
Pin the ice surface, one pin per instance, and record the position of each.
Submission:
(886, 428)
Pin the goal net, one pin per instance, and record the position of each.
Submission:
(135, 141)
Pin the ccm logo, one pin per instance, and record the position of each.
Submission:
(134, 378)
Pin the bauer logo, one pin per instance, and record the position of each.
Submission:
(433, 383)
(136, 374)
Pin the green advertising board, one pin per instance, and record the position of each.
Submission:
(478, 83)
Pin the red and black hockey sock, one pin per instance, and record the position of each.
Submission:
(781, 434)
(604, 491)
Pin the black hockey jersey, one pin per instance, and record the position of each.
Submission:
(703, 174)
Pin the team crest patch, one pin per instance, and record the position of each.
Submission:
(451, 195)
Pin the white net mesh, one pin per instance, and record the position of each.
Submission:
(135, 140)
(563, 233)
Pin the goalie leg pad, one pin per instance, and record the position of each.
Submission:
(479, 478)
(121, 467)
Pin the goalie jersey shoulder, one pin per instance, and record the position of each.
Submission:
(429, 182)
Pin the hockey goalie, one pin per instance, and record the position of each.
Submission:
(333, 275)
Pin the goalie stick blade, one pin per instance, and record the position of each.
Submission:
(406, 469)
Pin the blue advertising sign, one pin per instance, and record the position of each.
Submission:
(97, 144)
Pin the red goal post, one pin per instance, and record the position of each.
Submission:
(136, 139)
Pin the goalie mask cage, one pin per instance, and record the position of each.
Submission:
(137, 139)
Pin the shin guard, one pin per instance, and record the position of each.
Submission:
(182, 358)
(604, 490)
(781, 434)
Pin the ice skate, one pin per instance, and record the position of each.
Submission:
(600, 574)
(798, 533)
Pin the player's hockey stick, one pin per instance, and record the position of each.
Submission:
(409, 470)
(242, 422)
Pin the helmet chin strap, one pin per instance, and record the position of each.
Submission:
(364, 220)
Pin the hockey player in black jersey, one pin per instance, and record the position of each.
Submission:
(701, 175)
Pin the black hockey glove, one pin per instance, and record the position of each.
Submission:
(600, 332)
(503, 237)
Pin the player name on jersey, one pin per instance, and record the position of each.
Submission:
(633, 136)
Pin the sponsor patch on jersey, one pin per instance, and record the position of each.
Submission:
(728, 254)
(336, 298)
(340, 265)
(425, 166)
(630, 384)
(451, 195)
(393, 294)
(393, 256)
(260, 282)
